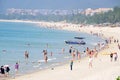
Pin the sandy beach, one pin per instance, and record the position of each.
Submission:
(103, 68)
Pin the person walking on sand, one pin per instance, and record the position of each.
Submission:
(71, 65)
(90, 61)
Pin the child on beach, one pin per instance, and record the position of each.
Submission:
(16, 68)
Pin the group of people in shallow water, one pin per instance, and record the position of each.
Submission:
(4, 70)
(75, 54)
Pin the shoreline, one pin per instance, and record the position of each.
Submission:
(80, 71)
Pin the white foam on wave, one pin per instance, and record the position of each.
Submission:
(51, 59)
(41, 61)
(66, 57)
(44, 60)
(36, 66)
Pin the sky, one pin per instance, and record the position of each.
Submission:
(57, 4)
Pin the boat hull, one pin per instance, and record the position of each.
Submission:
(75, 42)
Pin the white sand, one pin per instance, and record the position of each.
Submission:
(102, 69)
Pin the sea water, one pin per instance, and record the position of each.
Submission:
(16, 38)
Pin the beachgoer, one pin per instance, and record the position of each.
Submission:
(119, 46)
(114, 40)
(7, 69)
(90, 61)
(26, 55)
(117, 41)
(106, 41)
(46, 58)
(45, 52)
(111, 57)
(16, 67)
(73, 54)
(116, 56)
(84, 53)
(78, 55)
(70, 50)
(2, 70)
(95, 52)
(87, 51)
(71, 65)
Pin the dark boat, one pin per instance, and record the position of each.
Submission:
(79, 37)
(75, 42)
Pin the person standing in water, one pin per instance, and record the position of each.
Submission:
(7, 69)
(26, 54)
(2, 70)
(46, 58)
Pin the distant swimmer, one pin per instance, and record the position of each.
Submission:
(28, 44)
(3, 50)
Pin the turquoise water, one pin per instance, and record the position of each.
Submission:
(15, 38)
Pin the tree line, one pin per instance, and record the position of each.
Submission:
(107, 17)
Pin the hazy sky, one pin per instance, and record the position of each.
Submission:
(57, 4)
